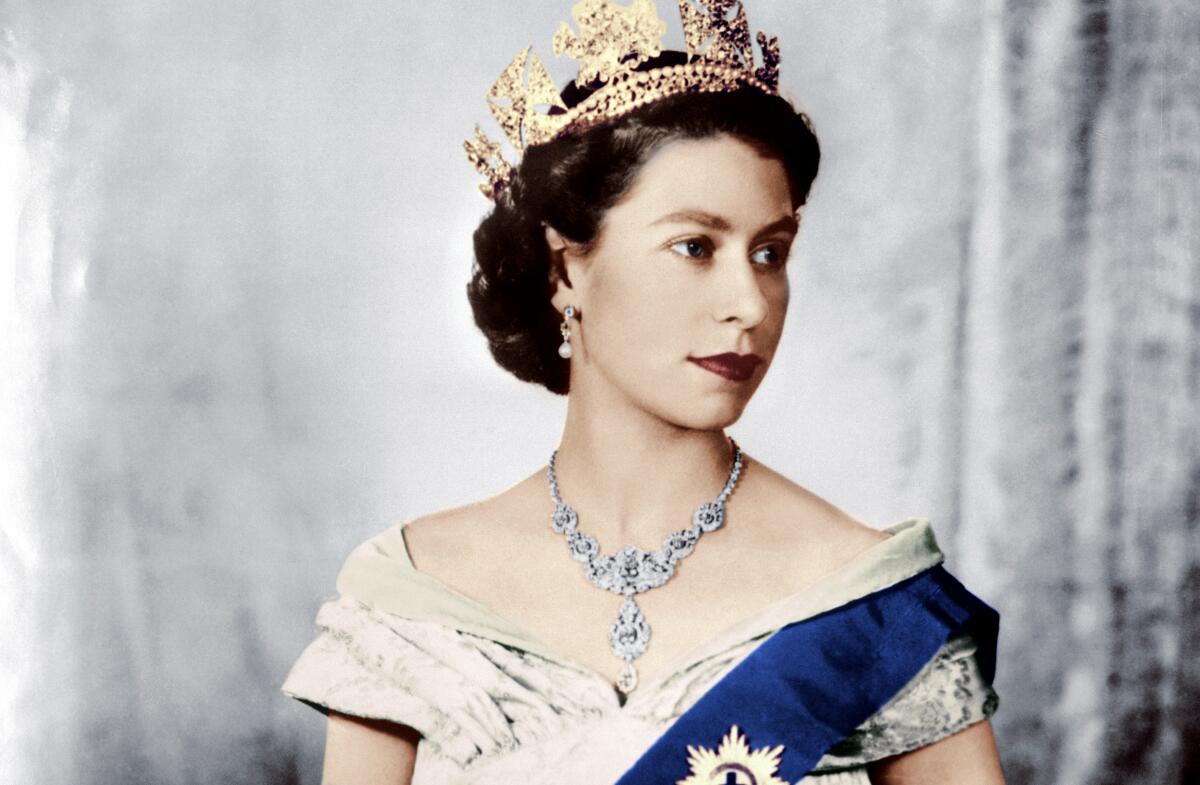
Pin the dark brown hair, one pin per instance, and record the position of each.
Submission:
(570, 182)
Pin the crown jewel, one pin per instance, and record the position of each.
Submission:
(612, 41)
(610, 38)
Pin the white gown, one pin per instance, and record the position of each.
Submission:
(494, 705)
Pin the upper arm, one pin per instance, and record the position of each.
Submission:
(368, 752)
(968, 757)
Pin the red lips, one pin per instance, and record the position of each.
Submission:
(736, 367)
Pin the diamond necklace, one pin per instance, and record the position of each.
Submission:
(631, 570)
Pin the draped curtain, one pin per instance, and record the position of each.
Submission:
(1080, 469)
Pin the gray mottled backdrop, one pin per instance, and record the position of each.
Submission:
(234, 238)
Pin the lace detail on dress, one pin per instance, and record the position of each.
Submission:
(468, 696)
(946, 696)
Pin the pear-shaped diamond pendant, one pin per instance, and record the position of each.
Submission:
(630, 633)
(628, 679)
(629, 637)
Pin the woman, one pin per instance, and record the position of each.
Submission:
(636, 260)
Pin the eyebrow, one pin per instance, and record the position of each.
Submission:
(787, 223)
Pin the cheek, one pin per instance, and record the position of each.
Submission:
(637, 311)
(778, 297)
(783, 295)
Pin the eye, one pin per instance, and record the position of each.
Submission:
(692, 247)
(774, 255)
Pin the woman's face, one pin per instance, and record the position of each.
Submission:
(689, 264)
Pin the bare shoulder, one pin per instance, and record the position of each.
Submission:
(441, 536)
(792, 513)
(445, 540)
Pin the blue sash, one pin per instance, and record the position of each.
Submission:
(814, 681)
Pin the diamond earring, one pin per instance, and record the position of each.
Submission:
(564, 350)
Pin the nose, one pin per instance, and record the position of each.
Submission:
(739, 290)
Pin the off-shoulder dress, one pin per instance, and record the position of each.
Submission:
(495, 705)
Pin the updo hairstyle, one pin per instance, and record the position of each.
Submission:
(570, 182)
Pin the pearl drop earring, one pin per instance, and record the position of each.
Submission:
(564, 350)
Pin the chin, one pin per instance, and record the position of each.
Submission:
(710, 423)
(706, 406)
(707, 415)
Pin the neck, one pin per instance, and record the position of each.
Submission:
(634, 478)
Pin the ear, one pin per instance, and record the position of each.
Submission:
(566, 269)
(554, 239)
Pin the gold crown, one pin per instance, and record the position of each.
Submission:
(612, 41)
